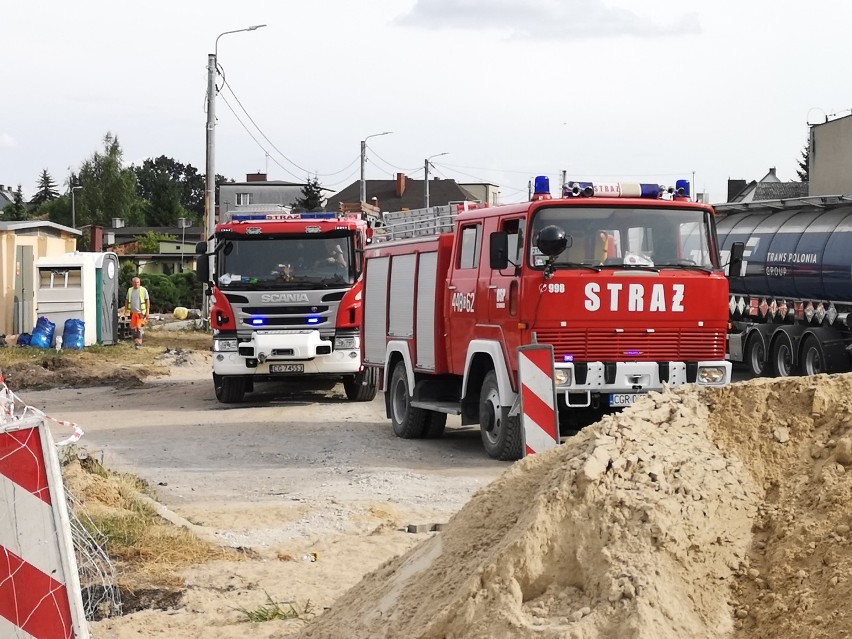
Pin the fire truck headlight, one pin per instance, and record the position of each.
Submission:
(563, 376)
(224, 345)
(711, 375)
(346, 343)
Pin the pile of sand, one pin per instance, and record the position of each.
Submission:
(693, 514)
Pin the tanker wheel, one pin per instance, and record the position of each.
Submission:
(230, 389)
(362, 386)
(813, 357)
(501, 434)
(408, 422)
(755, 354)
(782, 358)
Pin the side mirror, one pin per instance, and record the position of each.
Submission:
(735, 264)
(499, 250)
(201, 248)
(202, 268)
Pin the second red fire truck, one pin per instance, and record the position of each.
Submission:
(286, 300)
(623, 280)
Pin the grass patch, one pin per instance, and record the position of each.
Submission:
(273, 610)
(146, 548)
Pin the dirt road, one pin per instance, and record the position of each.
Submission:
(289, 472)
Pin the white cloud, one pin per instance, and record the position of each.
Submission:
(545, 19)
(7, 141)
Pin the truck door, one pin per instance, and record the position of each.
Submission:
(504, 289)
(462, 298)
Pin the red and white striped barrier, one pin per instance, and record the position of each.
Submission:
(40, 594)
(538, 398)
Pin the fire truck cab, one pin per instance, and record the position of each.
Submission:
(286, 301)
(623, 280)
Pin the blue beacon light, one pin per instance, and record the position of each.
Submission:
(313, 320)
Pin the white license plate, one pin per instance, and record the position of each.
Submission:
(286, 368)
(623, 399)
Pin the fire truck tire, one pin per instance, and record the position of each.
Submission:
(362, 387)
(501, 434)
(229, 389)
(435, 425)
(408, 422)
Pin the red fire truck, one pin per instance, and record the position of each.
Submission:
(286, 300)
(622, 279)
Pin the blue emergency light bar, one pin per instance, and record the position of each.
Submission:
(626, 189)
(252, 217)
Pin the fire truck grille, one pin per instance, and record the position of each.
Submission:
(284, 310)
(609, 346)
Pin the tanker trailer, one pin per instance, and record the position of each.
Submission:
(791, 295)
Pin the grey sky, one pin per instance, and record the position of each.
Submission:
(648, 91)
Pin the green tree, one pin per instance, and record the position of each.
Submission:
(188, 289)
(804, 171)
(126, 272)
(58, 210)
(109, 189)
(45, 190)
(17, 210)
(150, 241)
(171, 190)
(164, 295)
(311, 196)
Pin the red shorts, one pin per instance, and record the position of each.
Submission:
(137, 320)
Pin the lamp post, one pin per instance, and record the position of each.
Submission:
(364, 161)
(210, 194)
(73, 207)
(183, 222)
(426, 177)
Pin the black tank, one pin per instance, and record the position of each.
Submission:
(796, 253)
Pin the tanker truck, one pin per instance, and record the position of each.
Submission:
(791, 293)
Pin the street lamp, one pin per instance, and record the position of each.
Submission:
(210, 194)
(426, 176)
(73, 207)
(183, 222)
(363, 162)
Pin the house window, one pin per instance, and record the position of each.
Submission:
(243, 199)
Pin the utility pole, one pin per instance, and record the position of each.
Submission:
(426, 178)
(364, 162)
(74, 207)
(210, 186)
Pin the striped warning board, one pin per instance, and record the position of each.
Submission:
(538, 398)
(39, 586)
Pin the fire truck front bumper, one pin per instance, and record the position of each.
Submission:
(623, 382)
(271, 352)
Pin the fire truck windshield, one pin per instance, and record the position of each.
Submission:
(615, 237)
(295, 261)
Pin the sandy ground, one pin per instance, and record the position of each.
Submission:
(289, 473)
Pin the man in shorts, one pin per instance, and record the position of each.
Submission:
(138, 305)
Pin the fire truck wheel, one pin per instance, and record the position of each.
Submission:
(501, 434)
(229, 389)
(408, 422)
(363, 386)
(435, 425)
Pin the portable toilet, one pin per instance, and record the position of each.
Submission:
(80, 286)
